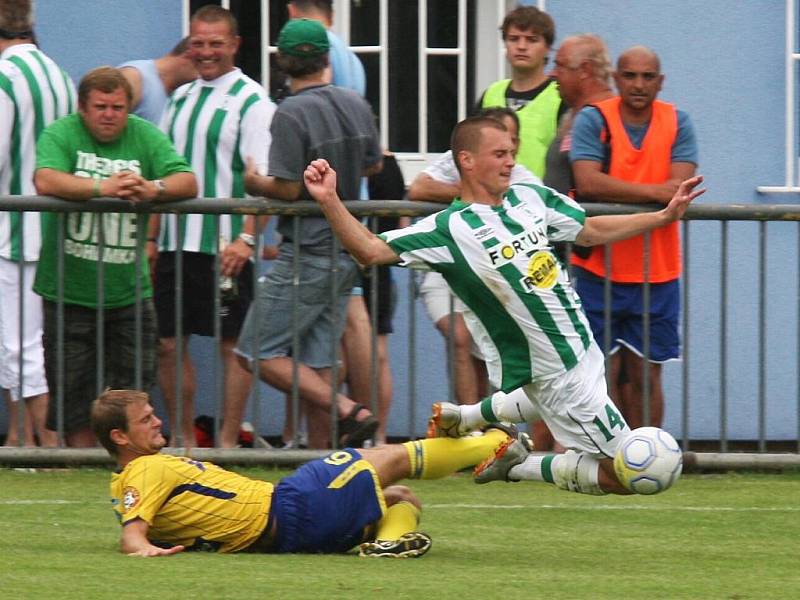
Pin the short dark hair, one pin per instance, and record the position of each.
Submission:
(323, 6)
(211, 13)
(301, 66)
(530, 18)
(107, 80)
(181, 47)
(16, 19)
(110, 411)
(468, 134)
(498, 113)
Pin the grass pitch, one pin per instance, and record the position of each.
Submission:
(727, 536)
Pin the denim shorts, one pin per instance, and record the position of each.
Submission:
(316, 307)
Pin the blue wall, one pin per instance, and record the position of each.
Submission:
(724, 64)
(83, 34)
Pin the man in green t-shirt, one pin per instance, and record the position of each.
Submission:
(101, 151)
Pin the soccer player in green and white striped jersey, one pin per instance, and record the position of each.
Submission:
(493, 246)
(217, 122)
(34, 91)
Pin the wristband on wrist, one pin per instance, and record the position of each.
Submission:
(152, 239)
(96, 188)
(161, 189)
(248, 239)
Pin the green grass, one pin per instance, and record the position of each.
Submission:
(712, 536)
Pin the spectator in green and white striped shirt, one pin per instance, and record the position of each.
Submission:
(34, 91)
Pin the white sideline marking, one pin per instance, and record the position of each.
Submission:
(508, 506)
(45, 502)
(620, 507)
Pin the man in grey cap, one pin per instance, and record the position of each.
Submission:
(319, 120)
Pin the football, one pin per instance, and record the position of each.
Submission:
(648, 461)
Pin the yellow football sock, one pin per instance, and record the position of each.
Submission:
(438, 457)
(399, 519)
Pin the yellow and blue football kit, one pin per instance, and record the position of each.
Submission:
(195, 504)
(327, 505)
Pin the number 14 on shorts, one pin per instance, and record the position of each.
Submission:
(612, 421)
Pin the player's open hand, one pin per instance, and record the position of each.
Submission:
(684, 195)
(151, 550)
(320, 180)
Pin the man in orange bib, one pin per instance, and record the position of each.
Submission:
(637, 149)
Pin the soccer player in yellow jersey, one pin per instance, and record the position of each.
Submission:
(167, 504)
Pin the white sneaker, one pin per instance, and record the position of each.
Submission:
(445, 421)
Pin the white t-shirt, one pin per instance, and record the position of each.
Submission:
(443, 169)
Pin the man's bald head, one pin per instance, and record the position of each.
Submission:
(639, 53)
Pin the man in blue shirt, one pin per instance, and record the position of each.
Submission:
(347, 70)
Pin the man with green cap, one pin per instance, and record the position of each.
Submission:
(319, 120)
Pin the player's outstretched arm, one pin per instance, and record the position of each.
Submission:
(366, 247)
(134, 541)
(611, 228)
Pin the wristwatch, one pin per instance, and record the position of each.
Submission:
(248, 239)
(161, 189)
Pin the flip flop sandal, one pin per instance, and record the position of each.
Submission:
(354, 433)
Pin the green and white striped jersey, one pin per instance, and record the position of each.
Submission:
(216, 125)
(521, 308)
(34, 92)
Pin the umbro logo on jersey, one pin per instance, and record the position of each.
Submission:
(483, 233)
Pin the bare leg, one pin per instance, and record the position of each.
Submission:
(542, 438)
(481, 376)
(167, 373)
(319, 427)
(385, 388)
(81, 438)
(12, 437)
(357, 350)
(615, 377)
(36, 415)
(314, 386)
(391, 462)
(289, 434)
(466, 382)
(634, 405)
(238, 383)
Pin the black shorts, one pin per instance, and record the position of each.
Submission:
(80, 357)
(387, 297)
(199, 287)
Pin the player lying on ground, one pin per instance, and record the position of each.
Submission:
(493, 247)
(167, 504)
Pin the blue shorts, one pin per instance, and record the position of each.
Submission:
(327, 505)
(267, 329)
(626, 315)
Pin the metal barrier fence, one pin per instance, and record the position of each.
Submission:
(720, 213)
